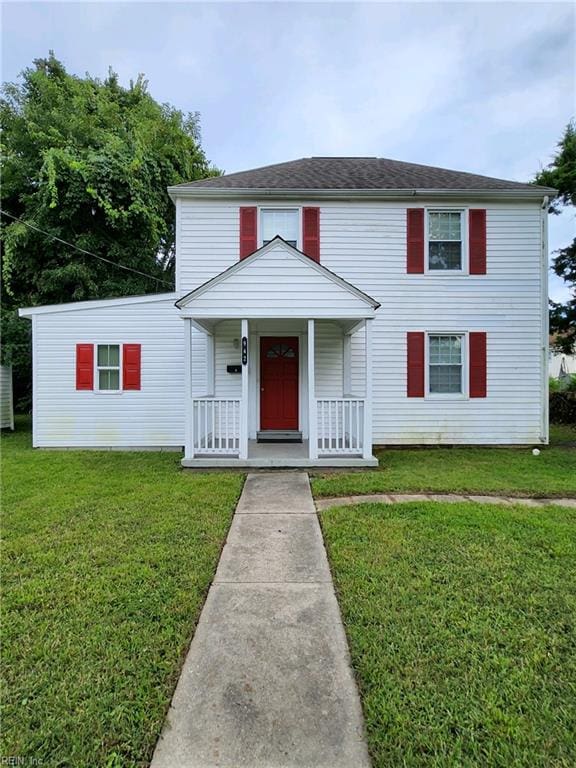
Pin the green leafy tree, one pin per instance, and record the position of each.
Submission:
(87, 161)
(561, 174)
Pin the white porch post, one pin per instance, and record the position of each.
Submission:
(367, 442)
(188, 405)
(244, 400)
(312, 406)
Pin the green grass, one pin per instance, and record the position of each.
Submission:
(513, 471)
(461, 624)
(107, 558)
(563, 434)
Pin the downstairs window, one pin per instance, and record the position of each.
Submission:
(108, 367)
(445, 358)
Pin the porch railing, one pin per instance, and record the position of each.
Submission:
(216, 425)
(340, 425)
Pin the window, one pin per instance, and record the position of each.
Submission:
(281, 350)
(445, 250)
(445, 364)
(280, 221)
(108, 367)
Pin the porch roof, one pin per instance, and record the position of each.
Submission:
(277, 280)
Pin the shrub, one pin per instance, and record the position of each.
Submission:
(554, 385)
(563, 407)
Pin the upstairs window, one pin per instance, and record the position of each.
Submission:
(280, 221)
(445, 251)
(108, 367)
(445, 364)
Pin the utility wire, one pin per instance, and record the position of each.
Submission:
(81, 250)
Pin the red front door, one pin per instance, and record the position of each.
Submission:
(279, 382)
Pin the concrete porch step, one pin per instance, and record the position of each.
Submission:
(279, 436)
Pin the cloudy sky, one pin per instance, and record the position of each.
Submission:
(484, 87)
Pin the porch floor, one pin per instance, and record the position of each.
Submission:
(278, 455)
(277, 450)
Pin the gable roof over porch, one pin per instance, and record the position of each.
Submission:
(277, 280)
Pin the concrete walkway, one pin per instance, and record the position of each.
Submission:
(267, 681)
(396, 498)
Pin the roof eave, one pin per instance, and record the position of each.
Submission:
(374, 194)
(74, 306)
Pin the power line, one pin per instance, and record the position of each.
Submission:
(81, 250)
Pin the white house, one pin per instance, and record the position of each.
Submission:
(6, 397)
(322, 306)
(561, 366)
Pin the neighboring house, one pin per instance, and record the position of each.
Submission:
(6, 398)
(328, 304)
(562, 366)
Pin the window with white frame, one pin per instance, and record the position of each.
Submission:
(445, 364)
(445, 250)
(108, 367)
(280, 221)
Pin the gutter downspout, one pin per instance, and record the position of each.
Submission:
(544, 427)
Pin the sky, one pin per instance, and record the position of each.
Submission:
(486, 87)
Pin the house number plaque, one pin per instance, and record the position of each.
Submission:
(244, 350)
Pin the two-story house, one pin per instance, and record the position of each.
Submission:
(322, 306)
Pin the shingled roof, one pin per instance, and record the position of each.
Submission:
(354, 173)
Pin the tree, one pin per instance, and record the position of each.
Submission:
(87, 161)
(561, 174)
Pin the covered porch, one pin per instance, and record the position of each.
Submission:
(285, 380)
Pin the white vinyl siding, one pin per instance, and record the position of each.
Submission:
(6, 404)
(505, 303)
(208, 241)
(281, 283)
(227, 351)
(328, 360)
(150, 417)
(365, 243)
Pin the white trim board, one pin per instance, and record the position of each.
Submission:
(73, 306)
(348, 195)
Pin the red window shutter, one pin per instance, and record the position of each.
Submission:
(311, 232)
(477, 351)
(248, 230)
(414, 241)
(477, 241)
(131, 364)
(84, 366)
(415, 379)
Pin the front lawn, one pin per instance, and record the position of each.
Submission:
(461, 624)
(107, 558)
(509, 471)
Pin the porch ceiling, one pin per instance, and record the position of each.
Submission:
(210, 324)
